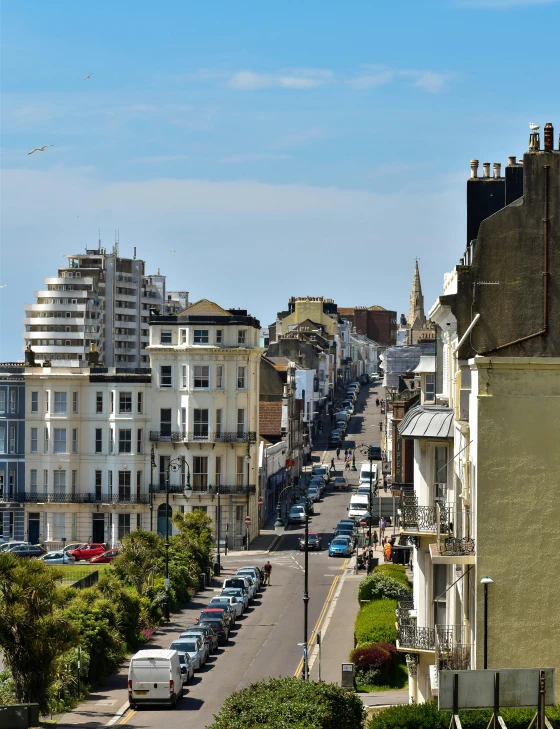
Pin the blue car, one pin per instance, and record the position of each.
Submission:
(340, 547)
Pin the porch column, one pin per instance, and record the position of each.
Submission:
(412, 665)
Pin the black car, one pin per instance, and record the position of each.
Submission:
(314, 541)
(28, 550)
(219, 626)
(350, 533)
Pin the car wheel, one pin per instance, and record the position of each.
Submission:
(132, 707)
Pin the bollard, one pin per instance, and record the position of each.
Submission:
(201, 581)
(208, 575)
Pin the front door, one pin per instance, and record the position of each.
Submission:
(33, 525)
(161, 520)
(98, 528)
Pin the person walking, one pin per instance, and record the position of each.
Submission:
(377, 401)
(382, 525)
(388, 550)
(345, 453)
(347, 464)
(267, 570)
(333, 468)
(374, 539)
(338, 453)
(385, 484)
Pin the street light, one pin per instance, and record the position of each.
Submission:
(248, 461)
(486, 581)
(174, 464)
(279, 529)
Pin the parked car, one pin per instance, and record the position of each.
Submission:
(238, 593)
(73, 545)
(105, 557)
(306, 503)
(58, 557)
(253, 587)
(314, 541)
(210, 635)
(252, 569)
(223, 611)
(27, 550)
(348, 406)
(313, 494)
(87, 551)
(340, 484)
(187, 667)
(350, 533)
(296, 515)
(204, 645)
(234, 603)
(340, 547)
(191, 646)
(155, 677)
(346, 524)
(7, 546)
(322, 470)
(335, 440)
(240, 582)
(218, 624)
(319, 483)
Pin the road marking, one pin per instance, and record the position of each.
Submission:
(275, 548)
(317, 624)
(127, 717)
(119, 714)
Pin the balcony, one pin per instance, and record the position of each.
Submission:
(164, 436)
(225, 490)
(423, 520)
(81, 498)
(450, 643)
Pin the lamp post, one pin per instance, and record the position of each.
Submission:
(174, 464)
(486, 581)
(248, 461)
(279, 529)
(218, 566)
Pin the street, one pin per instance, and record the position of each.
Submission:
(265, 641)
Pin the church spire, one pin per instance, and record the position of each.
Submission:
(416, 316)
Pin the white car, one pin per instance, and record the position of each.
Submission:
(192, 646)
(296, 515)
(253, 589)
(205, 646)
(233, 602)
(239, 594)
(234, 582)
(252, 570)
(58, 557)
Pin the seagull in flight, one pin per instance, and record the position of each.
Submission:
(88, 76)
(173, 250)
(40, 149)
(533, 127)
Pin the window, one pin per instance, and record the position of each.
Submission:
(182, 336)
(46, 442)
(125, 440)
(200, 473)
(183, 421)
(34, 402)
(60, 440)
(124, 525)
(98, 486)
(240, 470)
(74, 481)
(2, 439)
(430, 391)
(74, 440)
(98, 402)
(218, 470)
(439, 592)
(12, 441)
(33, 480)
(124, 485)
(219, 377)
(165, 422)
(201, 336)
(60, 403)
(3, 401)
(34, 446)
(219, 421)
(74, 402)
(241, 336)
(184, 379)
(241, 378)
(13, 401)
(112, 401)
(165, 337)
(45, 480)
(140, 404)
(125, 402)
(138, 521)
(46, 394)
(440, 473)
(201, 377)
(111, 440)
(219, 336)
(239, 517)
(200, 424)
(59, 527)
(165, 377)
(59, 481)
(139, 436)
(240, 422)
(99, 440)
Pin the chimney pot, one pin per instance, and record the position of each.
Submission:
(474, 169)
(497, 170)
(548, 137)
(512, 161)
(486, 169)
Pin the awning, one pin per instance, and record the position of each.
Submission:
(430, 422)
(426, 366)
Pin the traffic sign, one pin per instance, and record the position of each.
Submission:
(363, 523)
(261, 501)
(247, 521)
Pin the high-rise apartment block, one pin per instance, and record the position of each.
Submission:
(102, 299)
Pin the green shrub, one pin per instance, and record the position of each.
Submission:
(396, 571)
(279, 703)
(427, 716)
(374, 663)
(375, 623)
(379, 586)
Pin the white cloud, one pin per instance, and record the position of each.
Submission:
(372, 76)
(289, 79)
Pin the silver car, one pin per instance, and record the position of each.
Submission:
(205, 645)
(58, 557)
(233, 602)
(237, 592)
(192, 646)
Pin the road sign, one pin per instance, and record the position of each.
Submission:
(290, 462)
(363, 523)
(261, 501)
(166, 583)
(247, 521)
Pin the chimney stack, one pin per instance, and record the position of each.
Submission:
(497, 170)
(474, 169)
(29, 357)
(93, 355)
(486, 169)
(512, 161)
(548, 137)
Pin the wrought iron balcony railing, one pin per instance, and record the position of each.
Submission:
(456, 547)
(411, 637)
(449, 642)
(81, 498)
(211, 489)
(202, 436)
(404, 607)
(436, 519)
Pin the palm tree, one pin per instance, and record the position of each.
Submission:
(141, 559)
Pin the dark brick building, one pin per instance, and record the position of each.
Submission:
(374, 322)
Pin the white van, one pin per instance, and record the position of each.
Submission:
(155, 677)
(358, 507)
(364, 473)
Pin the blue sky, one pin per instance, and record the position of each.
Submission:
(294, 148)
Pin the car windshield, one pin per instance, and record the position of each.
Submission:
(183, 647)
(297, 508)
(210, 616)
(340, 542)
(215, 600)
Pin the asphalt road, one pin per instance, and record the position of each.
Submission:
(265, 642)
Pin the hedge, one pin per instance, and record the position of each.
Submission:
(282, 703)
(427, 716)
(396, 571)
(375, 623)
(374, 662)
(380, 585)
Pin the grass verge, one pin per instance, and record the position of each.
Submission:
(399, 680)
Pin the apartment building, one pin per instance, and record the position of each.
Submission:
(12, 450)
(98, 298)
(205, 415)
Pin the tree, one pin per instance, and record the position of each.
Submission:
(195, 536)
(33, 630)
(141, 559)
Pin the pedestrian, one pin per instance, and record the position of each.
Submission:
(267, 570)
(374, 539)
(388, 550)
(385, 484)
(382, 525)
(347, 464)
(377, 401)
(332, 465)
(338, 453)
(345, 453)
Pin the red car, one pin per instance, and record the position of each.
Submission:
(105, 557)
(86, 551)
